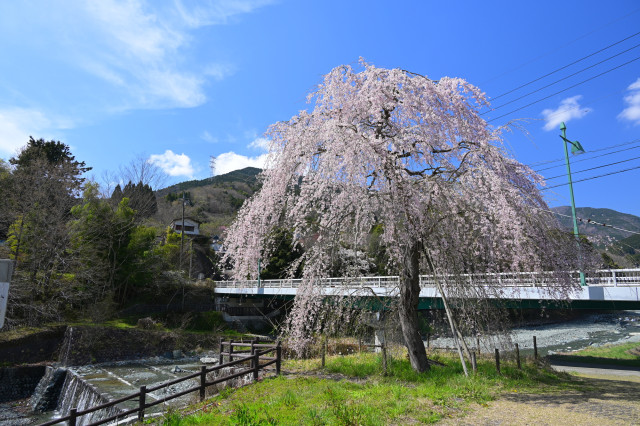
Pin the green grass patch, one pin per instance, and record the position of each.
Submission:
(625, 354)
(351, 390)
(121, 323)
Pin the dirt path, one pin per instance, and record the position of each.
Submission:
(608, 398)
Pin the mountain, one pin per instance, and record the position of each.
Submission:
(247, 175)
(213, 201)
(600, 236)
(626, 251)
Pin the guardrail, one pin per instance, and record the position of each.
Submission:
(601, 278)
(254, 356)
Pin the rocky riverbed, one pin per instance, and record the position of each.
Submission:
(567, 336)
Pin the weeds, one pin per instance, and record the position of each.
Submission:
(370, 398)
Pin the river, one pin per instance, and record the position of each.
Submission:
(595, 329)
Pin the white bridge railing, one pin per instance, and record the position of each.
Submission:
(598, 278)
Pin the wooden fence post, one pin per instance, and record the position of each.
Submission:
(498, 360)
(73, 414)
(253, 348)
(518, 356)
(221, 350)
(230, 350)
(323, 351)
(535, 348)
(203, 381)
(278, 358)
(474, 364)
(142, 402)
(255, 361)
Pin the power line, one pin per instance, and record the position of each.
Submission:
(589, 221)
(561, 47)
(566, 66)
(589, 158)
(540, 163)
(591, 178)
(594, 168)
(559, 80)
(564, 90)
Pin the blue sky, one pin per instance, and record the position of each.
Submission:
(178, 81)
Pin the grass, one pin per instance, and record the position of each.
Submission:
(620, 354)
(351, 390)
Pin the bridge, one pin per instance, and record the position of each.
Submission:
(605, 289)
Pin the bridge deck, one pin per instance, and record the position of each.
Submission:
(622, 285)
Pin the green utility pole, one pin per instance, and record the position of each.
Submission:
(576, 149)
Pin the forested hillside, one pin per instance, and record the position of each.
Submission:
(82, 250)
(212, 201)
(600, 236)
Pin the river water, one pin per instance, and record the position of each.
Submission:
(567, 336)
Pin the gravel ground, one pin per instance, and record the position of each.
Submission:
(612, 398)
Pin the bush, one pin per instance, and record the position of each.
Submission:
(206, 321)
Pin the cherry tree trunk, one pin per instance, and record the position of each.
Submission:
(408, 309)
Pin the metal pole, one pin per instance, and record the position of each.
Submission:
(182, 232)
(563, 128)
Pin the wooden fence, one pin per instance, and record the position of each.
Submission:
(253, 354)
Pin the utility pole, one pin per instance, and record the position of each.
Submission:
(182, 232)
(576, 149)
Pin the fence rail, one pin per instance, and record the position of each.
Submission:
(600, 278)
(255, 356)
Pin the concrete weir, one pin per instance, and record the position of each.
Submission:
(62, 389)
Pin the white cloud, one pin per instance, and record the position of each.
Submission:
(206, 136)
(200, 13)
(632, 111)
(218, 71)
(260, 144)
(569, 109)
(230, 161)
(17, 124)
(139, 50)
(173, 164)
(143, 52)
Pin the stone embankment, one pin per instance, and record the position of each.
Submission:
(19, 382)
(81, 345)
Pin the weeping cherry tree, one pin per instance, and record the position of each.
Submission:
(395, 149)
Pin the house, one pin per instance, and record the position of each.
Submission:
(191, 226)
(217, 245)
